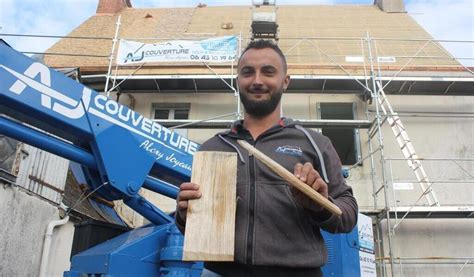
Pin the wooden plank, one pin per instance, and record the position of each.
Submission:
(210, 223)
(292, 179)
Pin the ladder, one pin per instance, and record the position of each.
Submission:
(406, 146)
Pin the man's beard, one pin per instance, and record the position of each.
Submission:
(261, 108)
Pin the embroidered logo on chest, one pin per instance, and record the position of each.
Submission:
(290, 150)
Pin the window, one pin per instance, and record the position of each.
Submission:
(345, 140)
(172, 111)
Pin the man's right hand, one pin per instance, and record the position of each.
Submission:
(187, 191)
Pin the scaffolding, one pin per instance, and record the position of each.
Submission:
(385, 113)
(371, 86)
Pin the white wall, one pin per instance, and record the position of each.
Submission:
(448, 238)
(24, 219)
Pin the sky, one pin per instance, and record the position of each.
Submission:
(443, 19)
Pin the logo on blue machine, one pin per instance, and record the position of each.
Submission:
(290, 150)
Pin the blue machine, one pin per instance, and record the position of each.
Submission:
(343, 254)
(351, 254)
(104, 137)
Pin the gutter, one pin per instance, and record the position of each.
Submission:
(47, 243)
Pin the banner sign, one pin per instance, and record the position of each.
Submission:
(214, 50)
(366, 246)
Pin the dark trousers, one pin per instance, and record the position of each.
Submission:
(239, 270)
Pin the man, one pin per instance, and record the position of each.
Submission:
(277, 227)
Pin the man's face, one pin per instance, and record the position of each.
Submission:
(262, 80)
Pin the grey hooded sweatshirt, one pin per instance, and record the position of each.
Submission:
(272, 228)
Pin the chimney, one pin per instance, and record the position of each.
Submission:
(112, 6)
(391, 6)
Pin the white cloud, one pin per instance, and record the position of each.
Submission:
(54, 17)
(447, 20)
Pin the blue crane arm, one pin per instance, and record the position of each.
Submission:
(118, 147)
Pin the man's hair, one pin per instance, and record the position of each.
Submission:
(262, 44)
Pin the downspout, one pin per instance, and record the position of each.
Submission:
(47, 243)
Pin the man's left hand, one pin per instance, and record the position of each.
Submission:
(310, 176)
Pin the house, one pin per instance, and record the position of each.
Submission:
(339, 57)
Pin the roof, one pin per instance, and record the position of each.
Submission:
(310, 56)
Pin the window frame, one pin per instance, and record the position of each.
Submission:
(356, 134)
(171, 107)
